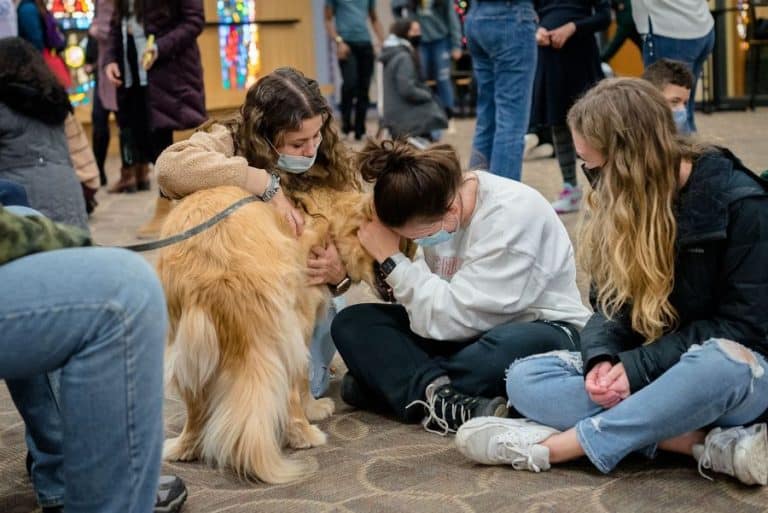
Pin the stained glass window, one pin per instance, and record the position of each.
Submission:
(72, 14)
(74, 18)
(238, 43)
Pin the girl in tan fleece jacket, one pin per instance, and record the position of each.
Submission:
(281, 141)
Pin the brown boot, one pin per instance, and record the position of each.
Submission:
(151, 230)
(142, 177)
(127, 182)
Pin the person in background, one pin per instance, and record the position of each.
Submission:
(674, 79)
(569, 64)
(8, 23)
(409, 107)
(675, 356)
(501, 37)
(625, 29)
(33, 144)
(160, 85)
(440, 42)
(346, 22)
(31, 27)
(483, 293)
(105, 93)
(682, 30)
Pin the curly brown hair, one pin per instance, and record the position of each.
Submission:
(276, 104)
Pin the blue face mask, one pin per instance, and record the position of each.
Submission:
(439, 237)
(434, 239)
(681, 119)
(295, 164)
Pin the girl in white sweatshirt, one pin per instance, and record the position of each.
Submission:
(495, 281)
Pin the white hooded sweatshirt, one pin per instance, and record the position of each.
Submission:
(513, 262)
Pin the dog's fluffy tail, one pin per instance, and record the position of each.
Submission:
(248, 416)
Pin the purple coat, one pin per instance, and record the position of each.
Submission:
(175, 90)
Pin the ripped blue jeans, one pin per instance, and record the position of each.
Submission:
(718, 383)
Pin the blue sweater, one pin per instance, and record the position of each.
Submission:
(30, 24)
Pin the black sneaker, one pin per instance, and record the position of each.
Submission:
(171, 494)
(448, 409)
(353, 393)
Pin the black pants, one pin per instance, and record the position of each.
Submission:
(395, 365)
(138, 142)
(356, 73)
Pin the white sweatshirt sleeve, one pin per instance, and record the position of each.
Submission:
(493, 284)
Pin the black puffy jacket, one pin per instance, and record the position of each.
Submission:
(721, 275)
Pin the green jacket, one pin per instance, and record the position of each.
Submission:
(21, 236)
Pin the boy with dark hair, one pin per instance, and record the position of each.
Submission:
(675, 80)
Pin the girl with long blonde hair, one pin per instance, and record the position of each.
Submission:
(676, 244)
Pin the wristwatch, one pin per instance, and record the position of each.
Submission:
(389, 264)
(338, 40)
(272, 187)
(341, 287)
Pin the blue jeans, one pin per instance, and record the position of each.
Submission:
(12, 193)
(99, 316)
(322, 349)
(436, 65)
(502, 42)
(708, 386)
(693, 52)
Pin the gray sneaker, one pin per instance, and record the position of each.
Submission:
(738, 451)
(171, 494)
(515, 442)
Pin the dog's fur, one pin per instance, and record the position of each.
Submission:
(241, 316)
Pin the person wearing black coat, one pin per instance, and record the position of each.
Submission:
(568, 65)
(676, 243)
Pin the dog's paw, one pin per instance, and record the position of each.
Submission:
(174, 450)
(319, 409)
(304, 436)
(315, 436)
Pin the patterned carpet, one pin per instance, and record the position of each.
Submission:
(372, 464)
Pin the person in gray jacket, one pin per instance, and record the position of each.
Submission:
(33, 145)
(409, 107)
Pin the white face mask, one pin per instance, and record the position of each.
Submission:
(296, 164)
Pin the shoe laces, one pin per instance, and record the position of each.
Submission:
(718, 453)
(514, 447)
(438, 414)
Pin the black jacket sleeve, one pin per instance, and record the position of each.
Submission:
(741, 313)
(603, 339)
(599, 21)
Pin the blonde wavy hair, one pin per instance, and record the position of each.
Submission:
(627, 237)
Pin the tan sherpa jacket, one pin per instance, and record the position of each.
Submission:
(205, 160)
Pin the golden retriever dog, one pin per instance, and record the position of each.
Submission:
(241, 317)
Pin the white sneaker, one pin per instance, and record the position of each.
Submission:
(531, 141)
(542, 151)
(738, 451)
(491, 441)
(569, 199)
